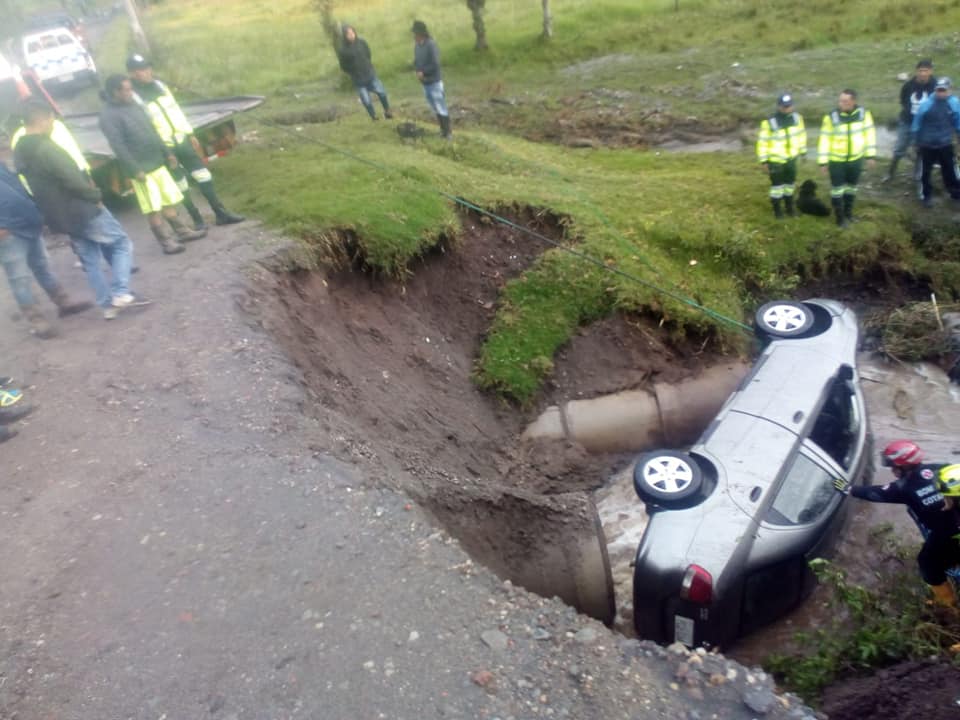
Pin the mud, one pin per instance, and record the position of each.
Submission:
(397, 359)
(928, 690)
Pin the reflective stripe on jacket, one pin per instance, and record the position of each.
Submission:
(167, 117)
(781, 138)
(847, 136)
(64, 139)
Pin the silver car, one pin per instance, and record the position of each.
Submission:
(735, 520)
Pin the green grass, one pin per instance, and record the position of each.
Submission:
(699, 225)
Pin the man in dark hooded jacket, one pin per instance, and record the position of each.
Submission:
(355, 61)
(70, 204)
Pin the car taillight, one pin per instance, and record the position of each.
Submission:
(697, 585)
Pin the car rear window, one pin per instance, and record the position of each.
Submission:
(806, 492)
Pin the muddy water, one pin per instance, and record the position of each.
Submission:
(904, 401)
(735, 142)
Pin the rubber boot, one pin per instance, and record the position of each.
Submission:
(6, 433)
(20, 409)
(892, 171)
(777, 210)
(183, 231)
(791, 208)
(445, 131)
(170, 244)
(194, 213)
(39, 325)
(224, 216)
(848, 201)
(67, 305)
(837, 203)
(943, 595)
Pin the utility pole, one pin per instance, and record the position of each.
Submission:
(139, 36)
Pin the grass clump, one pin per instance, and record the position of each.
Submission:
(872, 629)
(913, 332)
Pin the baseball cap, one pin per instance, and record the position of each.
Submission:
(943, 82)
(785, 100)
(138, 62)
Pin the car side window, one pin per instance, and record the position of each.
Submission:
(838, 424)
(65, 40)
(805, 494)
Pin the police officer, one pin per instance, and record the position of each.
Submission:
(917, 486)
(177, 133)
(781, 140)
(847, 138)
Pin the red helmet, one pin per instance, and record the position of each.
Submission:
(902, 453)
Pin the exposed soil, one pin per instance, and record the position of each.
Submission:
(928, 690)
(397, 359)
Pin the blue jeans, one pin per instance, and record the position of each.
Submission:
(23, 254)
(104, 237)
(903, 140)
(436, 97)
(376, 87)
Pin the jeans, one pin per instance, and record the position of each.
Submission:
(24, 254)
(104, 237)
(436, 98)
(376, 87)
(903, 140)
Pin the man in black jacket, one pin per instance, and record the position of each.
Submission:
(355, 61)
(145, 158)
(70, 204)
(913, 92)
(426, 63)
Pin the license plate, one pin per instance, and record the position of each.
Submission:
(683, 630)
(66, 78)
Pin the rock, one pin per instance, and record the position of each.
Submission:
(586, 636)
(713, 665)
(495, 640)
(677, 649)
(541, 634)
(760, 700)
(483, 678)
(413, 637)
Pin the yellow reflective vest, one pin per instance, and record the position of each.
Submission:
(167, 117)
(845, 137)
(63, 138)
(779, 141)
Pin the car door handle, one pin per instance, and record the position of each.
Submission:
(756, 493)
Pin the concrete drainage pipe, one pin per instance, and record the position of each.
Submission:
(665, 416)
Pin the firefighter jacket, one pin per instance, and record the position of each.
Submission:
(63, 138)
(782, 137)
(847, 136)
(165, 114)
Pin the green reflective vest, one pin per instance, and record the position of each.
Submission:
(167, 117)
(778, 142)
(63, 138)
(847, 136)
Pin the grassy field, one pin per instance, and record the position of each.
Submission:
(698, 225)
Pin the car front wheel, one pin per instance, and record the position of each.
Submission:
(665, 477)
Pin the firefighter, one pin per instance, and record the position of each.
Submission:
(919, 486)
(177, 133)
(847, 139)
(781, 141)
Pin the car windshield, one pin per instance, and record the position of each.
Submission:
(806, 492)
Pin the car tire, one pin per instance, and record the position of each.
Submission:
(666, 477)
(783, 319)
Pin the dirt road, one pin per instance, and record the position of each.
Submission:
(177, 542)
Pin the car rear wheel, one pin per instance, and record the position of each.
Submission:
(784, 319)
(665, 477)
